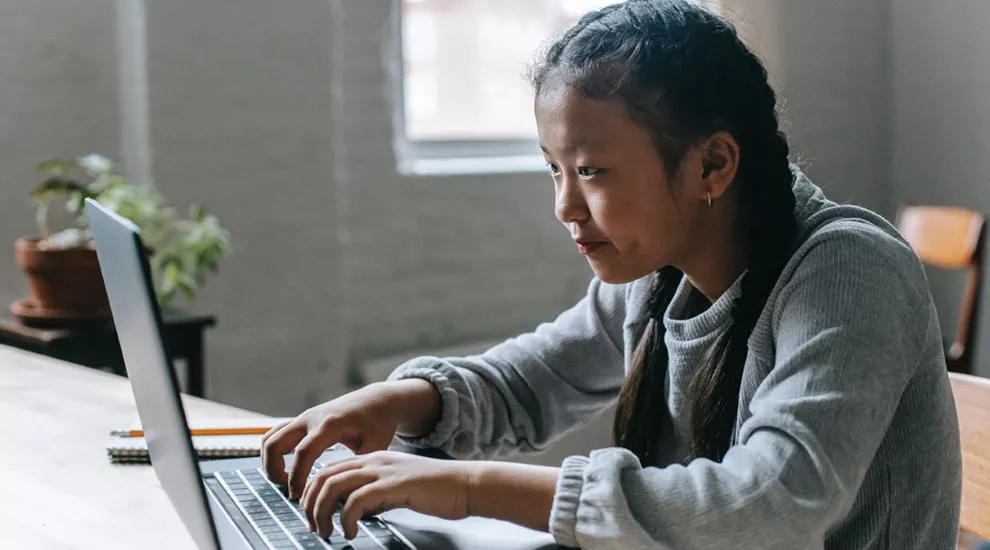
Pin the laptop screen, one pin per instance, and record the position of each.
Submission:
(137, 319)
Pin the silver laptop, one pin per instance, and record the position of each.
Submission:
(230, 503)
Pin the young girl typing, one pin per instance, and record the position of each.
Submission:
(775, 357)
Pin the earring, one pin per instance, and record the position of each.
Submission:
(709, 199)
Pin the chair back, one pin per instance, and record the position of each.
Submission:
(951, 238)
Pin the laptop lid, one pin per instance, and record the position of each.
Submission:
(136, 316)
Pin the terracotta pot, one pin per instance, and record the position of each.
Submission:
(67, 280)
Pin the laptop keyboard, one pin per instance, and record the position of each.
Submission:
(282, 522)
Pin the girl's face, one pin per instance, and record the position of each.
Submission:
(611, 186)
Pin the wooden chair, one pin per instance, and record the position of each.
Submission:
(951, 238)
(972, 396)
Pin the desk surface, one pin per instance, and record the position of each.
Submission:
(59, 489)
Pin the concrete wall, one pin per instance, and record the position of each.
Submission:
(240, 111)
(58, 97)
(829, 62)
(279, 120)
(835, 82)
(434, 260)
(940, 134)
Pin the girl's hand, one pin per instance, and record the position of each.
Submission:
(365, 420)
(382, 481)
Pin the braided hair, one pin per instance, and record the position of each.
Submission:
(683, 73)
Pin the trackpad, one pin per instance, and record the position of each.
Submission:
(427, 533)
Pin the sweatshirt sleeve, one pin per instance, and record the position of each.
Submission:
(522, 394)
(850, 326)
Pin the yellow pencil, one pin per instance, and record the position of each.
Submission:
(200, 431)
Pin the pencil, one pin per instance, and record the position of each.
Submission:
(200, 431)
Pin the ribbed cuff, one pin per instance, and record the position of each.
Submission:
(438, 374)
(563, 514)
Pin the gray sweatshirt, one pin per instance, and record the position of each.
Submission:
(846, 436)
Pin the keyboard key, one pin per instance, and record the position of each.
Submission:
(312, 545)
(377, 528)
(283, 545)
(361, 534)
(393, 543)
(312, 540)
(360, 544)
(265, 523)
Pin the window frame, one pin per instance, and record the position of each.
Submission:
(427, 157)
(456, 157)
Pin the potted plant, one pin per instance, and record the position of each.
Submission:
(61, 267)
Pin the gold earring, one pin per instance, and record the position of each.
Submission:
(709, 199)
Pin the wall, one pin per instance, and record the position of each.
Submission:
(940, 133)
(59, 97)
(434, 260)
(278, 119)
(836, 61)
(829, 61)
(240, 112)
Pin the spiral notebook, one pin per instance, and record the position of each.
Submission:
(121, 450)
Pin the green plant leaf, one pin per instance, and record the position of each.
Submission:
(76, 202)
(196, 213)
(189, 291)
(56, 166)
(55, 187)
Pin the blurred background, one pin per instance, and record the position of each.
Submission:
(375, 166)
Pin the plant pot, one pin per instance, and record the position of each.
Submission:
(64, 280)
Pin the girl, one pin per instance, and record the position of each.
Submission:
(775, 357)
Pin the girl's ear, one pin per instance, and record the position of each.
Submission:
(719, 163)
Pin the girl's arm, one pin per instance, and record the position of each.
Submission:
(520, 493)
(522, 393)
(851, 327)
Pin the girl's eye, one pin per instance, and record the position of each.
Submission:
(554, 169)
(587, 171)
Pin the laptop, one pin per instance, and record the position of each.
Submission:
(231, 504)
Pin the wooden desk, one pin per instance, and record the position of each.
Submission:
(58, 488)
(95, 344)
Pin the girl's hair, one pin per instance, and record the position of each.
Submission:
(683, 73)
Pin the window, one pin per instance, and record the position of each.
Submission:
(466, 105)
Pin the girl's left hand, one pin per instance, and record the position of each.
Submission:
(379, 481)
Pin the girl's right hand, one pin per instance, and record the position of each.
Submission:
(365, 420)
